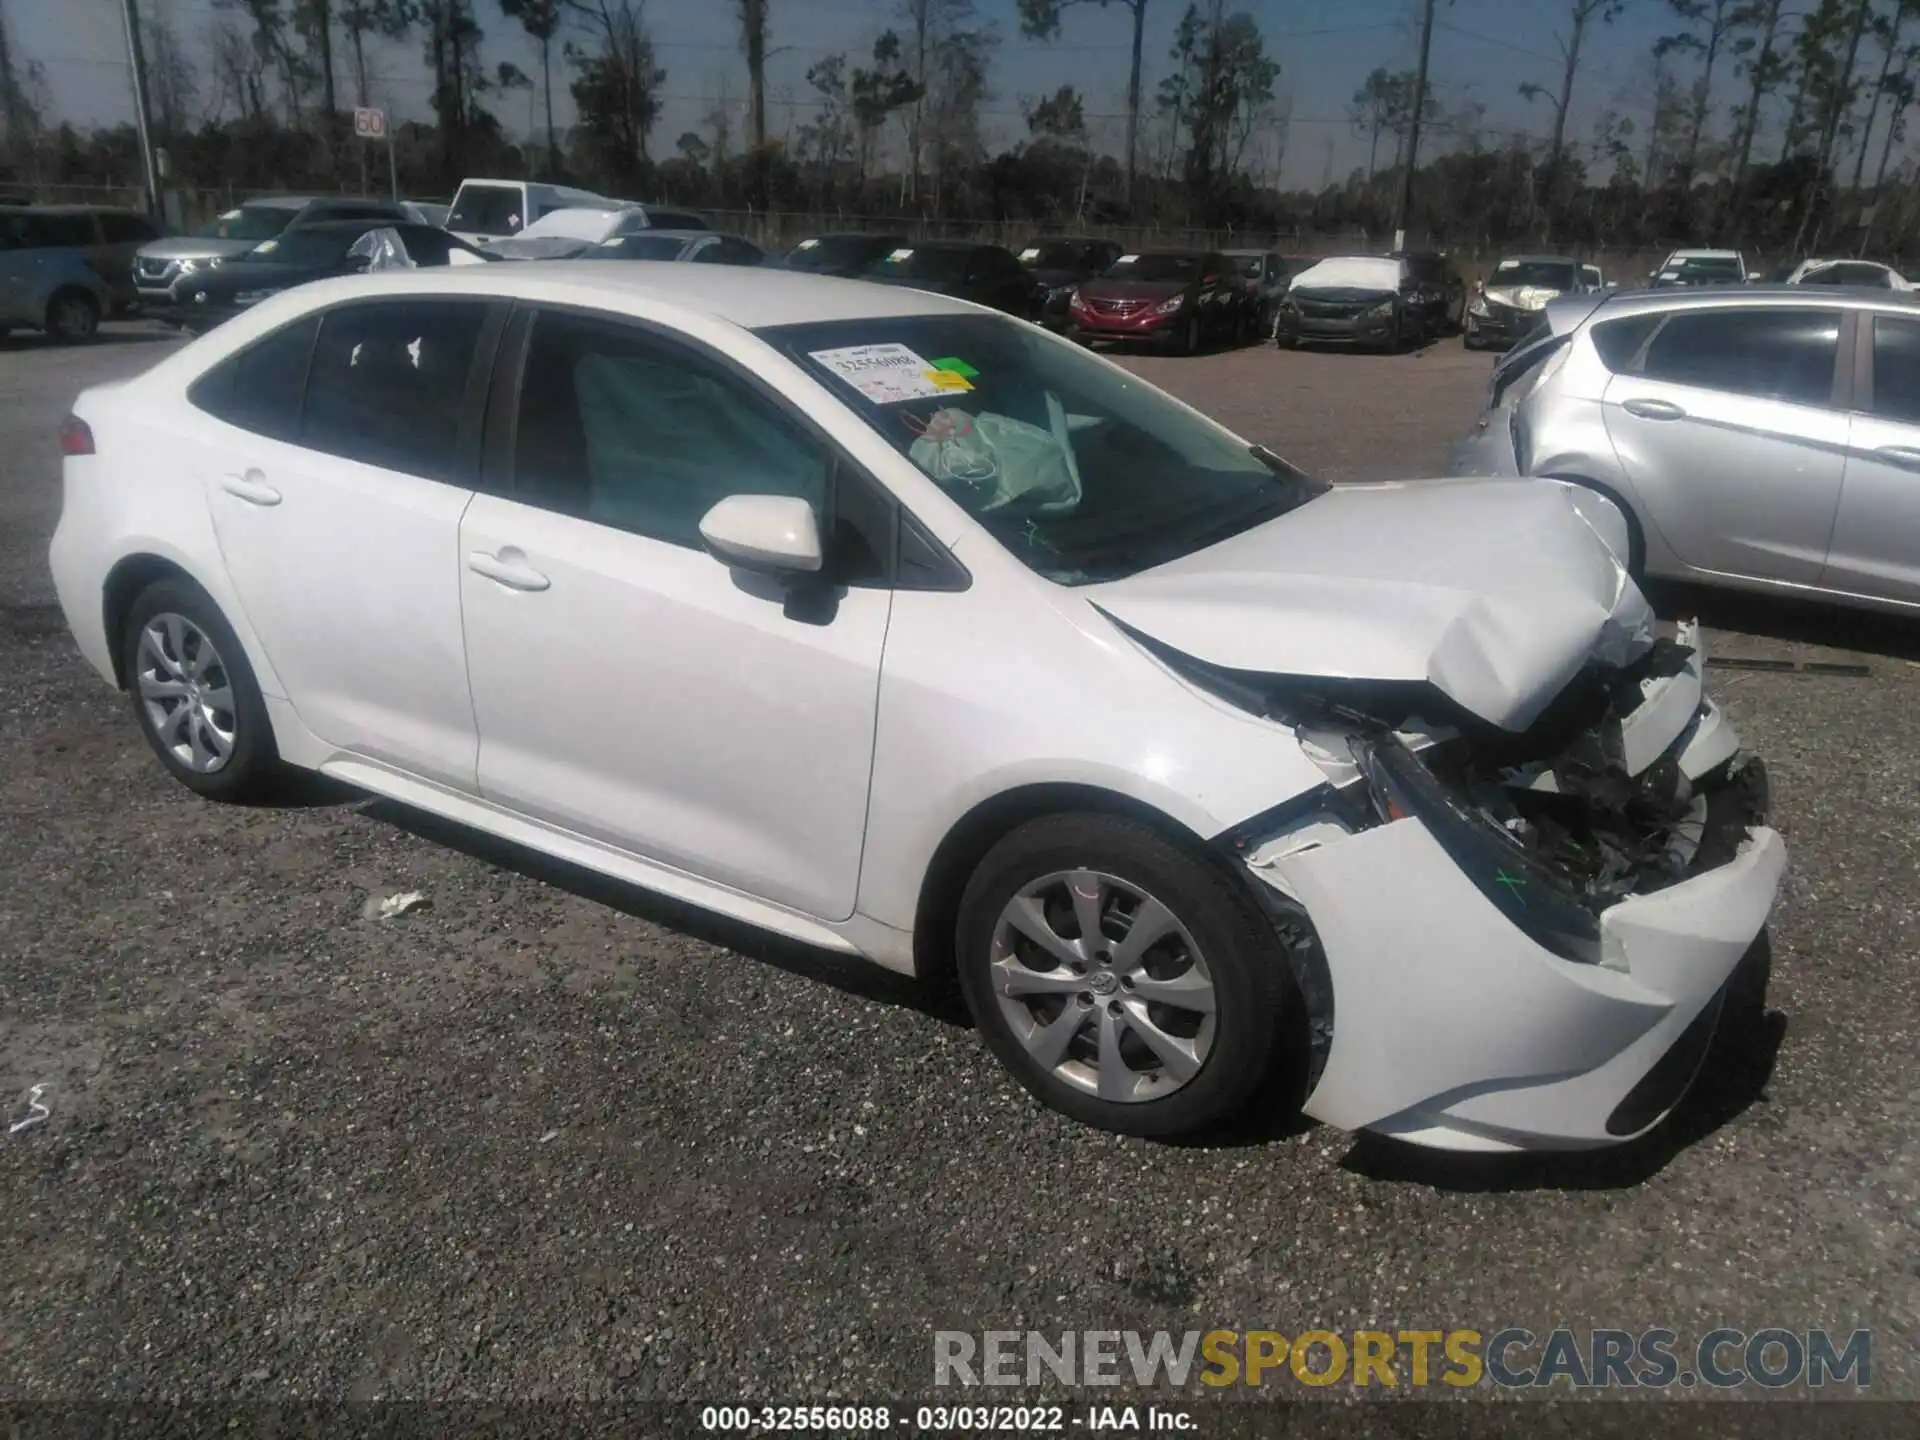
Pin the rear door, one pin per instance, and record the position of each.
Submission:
(1728, 426)
(1876, 539)
(340, 522)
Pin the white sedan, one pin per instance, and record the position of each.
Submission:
(909, 630)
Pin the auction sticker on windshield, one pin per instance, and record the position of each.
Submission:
(888, 374)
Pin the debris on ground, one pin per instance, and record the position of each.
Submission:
(394, 905)
(36, 1111)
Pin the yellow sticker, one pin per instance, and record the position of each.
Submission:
(949, 380)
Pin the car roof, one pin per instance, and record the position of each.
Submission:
(1540, 260)
(748, 296)
(1704, 255)
(682, 235)
(1254, 250)
(948, 244)
(361, 222)
(1629, 302)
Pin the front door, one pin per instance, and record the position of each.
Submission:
(1876, 539)
(628, 686)
(1730, 433)
(340, 529)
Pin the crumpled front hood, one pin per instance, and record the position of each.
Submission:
(1496, 592)
(1522, 297)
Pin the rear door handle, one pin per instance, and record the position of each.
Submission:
(251, 487)
(1906, 455)
(1654, 409)
(507, 569)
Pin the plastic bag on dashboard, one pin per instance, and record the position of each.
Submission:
(997, 461)
(384, 250)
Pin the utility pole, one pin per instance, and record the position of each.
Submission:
(138, 60)
(1404, 205)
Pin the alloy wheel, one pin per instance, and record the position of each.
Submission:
(1103, 986)
(186, 693)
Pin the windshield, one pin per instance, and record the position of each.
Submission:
(839, 252)
(487, 210)
(249, 222)
(1537, 274)
(1156, 267)
(1054, 255)
(304, 247)
(1084, 472)
(635, 247)
(909, 263)
(1697, 267)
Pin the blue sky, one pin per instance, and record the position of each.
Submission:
(1482, 50)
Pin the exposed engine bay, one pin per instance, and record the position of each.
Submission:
(1608, 793)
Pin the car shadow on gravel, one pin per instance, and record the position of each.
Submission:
(1784, 618)
(1733, 1077)
(846, 973)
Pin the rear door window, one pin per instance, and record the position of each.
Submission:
(258, 388)
(1618, 341)
(1771, 354)
(488, 210)
(389, 383)
(1896, 369)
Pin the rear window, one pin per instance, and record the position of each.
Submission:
(488, 210)
(675, 220)
(1618, 341)
(1157, 267)
(259, 388)
(913, 263)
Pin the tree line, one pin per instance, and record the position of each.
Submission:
(1776, 124)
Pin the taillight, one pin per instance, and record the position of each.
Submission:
(76, 437)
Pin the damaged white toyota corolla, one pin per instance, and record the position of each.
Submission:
(909, 630)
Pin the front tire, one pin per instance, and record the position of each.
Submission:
(1123, 980)
(194, 694)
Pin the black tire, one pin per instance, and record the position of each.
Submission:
(73, 316)
(252, 765)
(1251, 978)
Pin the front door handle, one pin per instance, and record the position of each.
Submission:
(508, 568)
(1906, 455)
(251, 487)
(1654, 409)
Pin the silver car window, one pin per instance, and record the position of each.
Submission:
(1896, 369)
(1774, 354)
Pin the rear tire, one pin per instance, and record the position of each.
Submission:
(194, 694)
(1090, 1042)
(73, 317)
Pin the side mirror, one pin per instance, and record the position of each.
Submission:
(768, 534)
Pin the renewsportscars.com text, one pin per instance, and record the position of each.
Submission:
(1512, 1358)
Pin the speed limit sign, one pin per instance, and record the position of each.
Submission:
(370, 123)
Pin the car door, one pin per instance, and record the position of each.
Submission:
(995, 278)
(1727, 425)
(1876, 537)
(339, 524)
(629, 687)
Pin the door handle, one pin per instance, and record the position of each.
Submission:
(1906, 455)
(1654, 409)
(507, 571)
(251, 487)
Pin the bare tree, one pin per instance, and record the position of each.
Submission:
(1887, 30)
(1040, 20)
(541, 20)
(1764, 71)
(1710, 24)
(1584, 13)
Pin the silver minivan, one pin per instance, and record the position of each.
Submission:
(1759, 438)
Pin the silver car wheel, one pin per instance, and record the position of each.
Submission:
(1103, 985)
(186, 693)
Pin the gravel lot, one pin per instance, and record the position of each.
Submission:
(548, 1138)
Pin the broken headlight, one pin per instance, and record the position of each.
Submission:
(1532, 897)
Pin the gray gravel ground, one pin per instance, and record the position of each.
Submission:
(546, 1138)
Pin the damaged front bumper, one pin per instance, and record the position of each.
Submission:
(1480, 1000)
